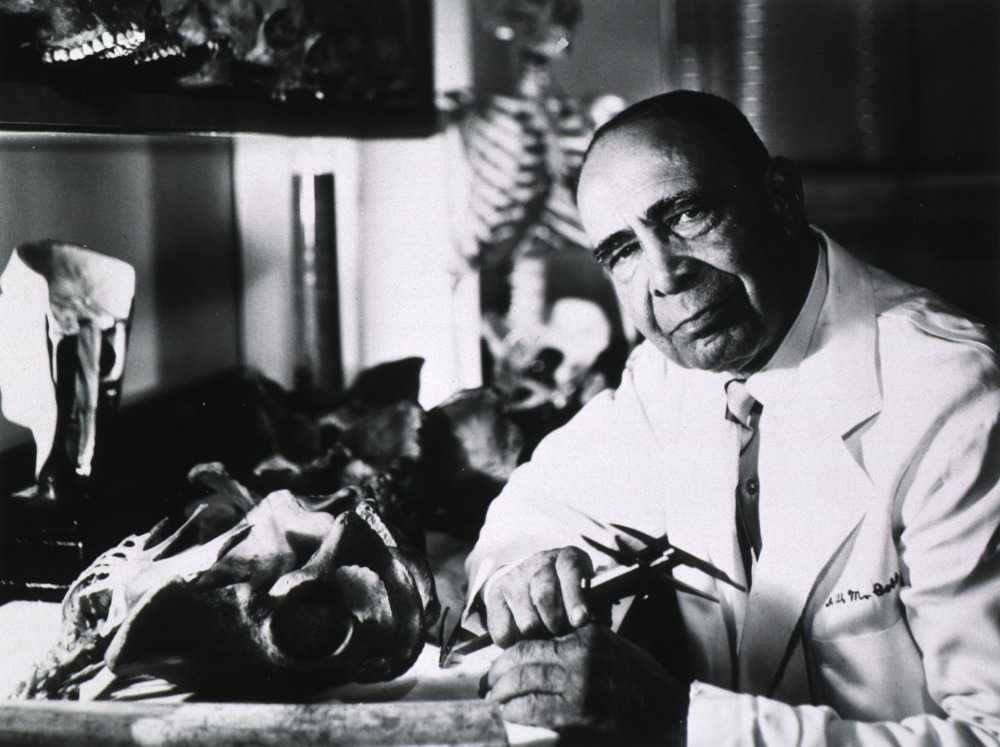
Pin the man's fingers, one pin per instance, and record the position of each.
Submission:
(526, 619)
(534, 709)
(540, 596)
(572, 566)
(522, 653)
(546, 596)
(544, 678)
(500, 621)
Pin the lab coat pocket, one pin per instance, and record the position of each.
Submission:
(857, 608)
(873, 675)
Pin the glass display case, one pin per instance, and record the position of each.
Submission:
(290, 67)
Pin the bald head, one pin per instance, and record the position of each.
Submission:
(693, 115)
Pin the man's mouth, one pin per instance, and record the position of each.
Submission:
(710, 318)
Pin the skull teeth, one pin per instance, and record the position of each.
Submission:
(105, 44)
(158, 53)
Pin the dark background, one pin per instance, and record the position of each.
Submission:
(891, 108)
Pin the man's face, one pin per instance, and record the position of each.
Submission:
(690, 243)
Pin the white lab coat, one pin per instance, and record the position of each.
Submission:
(880, 518)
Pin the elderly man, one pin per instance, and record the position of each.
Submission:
(819, 430)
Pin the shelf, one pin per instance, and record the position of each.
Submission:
(33, 106)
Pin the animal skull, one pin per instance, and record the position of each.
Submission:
(75, 30)
(299, 595)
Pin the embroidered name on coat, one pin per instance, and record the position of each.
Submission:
(854, 595)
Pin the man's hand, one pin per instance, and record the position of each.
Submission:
(539, 597)
(590, 681)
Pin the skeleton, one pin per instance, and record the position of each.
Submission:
(557, 366)
(299, 595)
(525, 153)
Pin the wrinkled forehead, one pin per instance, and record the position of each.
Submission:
(645, 162)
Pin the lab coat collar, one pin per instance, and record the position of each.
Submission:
(772, 382)
(841, 366)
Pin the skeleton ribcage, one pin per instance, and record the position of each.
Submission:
(525, 157)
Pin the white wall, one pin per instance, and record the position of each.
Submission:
(263, 170)
(616, 49)
(395, 204)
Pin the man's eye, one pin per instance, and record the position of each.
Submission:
(622, 253)
(690, 215)
(692, 222)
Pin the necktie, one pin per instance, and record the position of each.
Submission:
(744, 410)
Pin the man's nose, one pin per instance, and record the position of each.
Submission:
(668, 271)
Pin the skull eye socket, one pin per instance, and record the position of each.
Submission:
(280, 29)
(311, 622)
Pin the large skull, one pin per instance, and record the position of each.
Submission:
(299, 595)
(355, 48)
(211, 34)
(543, 26)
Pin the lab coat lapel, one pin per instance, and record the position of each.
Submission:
(823, 493)
(709, 469)
(699, 474)
(804, 519)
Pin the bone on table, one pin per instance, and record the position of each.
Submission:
(223, 724)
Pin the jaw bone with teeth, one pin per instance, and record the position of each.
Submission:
(162, 42)
(75, 30)
(300, 595)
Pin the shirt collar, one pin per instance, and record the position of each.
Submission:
(769, 383)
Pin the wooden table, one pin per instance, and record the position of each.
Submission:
(427, 705)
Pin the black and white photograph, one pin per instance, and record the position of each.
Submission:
(500, 372)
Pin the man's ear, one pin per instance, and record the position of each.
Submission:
(783, 188)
